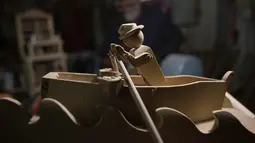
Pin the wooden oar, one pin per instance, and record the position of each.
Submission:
(139, 103)
(114, 63)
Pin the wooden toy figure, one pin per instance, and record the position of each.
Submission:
(139, 56)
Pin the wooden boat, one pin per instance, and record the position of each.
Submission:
(171, 102)
(196, 97)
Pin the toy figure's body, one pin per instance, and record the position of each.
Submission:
(150, 68)
(140, 56)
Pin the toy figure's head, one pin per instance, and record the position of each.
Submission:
(131, 35)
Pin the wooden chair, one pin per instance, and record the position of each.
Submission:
(37, 42)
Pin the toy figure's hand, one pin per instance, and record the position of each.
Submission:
(127, 57)
(119, 50)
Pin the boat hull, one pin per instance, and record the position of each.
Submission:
(82, 94)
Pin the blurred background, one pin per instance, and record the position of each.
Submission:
(189, 37)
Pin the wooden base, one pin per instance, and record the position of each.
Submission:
(57, 124)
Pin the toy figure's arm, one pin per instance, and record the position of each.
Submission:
(127, 57)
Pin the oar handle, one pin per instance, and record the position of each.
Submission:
(139, 103)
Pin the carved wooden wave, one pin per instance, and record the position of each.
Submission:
(57, 124)
(13, 122)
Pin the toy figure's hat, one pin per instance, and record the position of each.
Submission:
(128, 29)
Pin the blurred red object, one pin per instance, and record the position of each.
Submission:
(36, 105)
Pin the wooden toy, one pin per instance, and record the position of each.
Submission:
(200, 106)
(116, 107)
